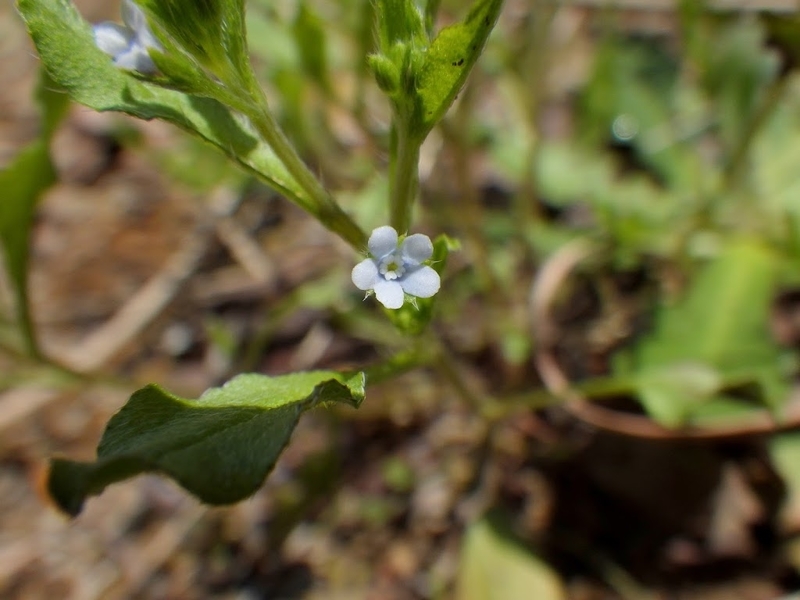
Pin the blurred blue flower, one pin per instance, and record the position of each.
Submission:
(127, 44)
(394, 270)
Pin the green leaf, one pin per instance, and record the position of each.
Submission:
(494, 566)
(449, 61)
(23, 182)
(670, 392)
(219, 447)
(66, 46)
(212, 32)
(716, 337)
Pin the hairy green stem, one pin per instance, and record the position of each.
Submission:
(400, 363)
(321, 205)
(403, 176)
(319, 202)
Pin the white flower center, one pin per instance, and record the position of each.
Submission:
(391, 267)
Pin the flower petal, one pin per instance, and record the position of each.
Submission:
(365, 274)
(133, 16)
(422, 283)
(389, 293)
(417, 248)
(112, 39)
(382, 241)
(136, 59)
(148, 40)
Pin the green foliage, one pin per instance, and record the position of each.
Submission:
(219, 447)
(23, 182)
(210, 33)
(309, 33)
(495, 566)
(422, 78)
(449, 61)
(74, 62)
(713, 340)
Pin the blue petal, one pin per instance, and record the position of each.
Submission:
(133, 16)
(417, 248)
(365, 274)
(422, 283)
(112, 39)
(389, 293)
(136, 59)
(382, 241)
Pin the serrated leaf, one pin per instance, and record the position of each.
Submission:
(22, 183)
(448, 62)
(219, 447)
(494, 566)
(715, 337)
(66, 46)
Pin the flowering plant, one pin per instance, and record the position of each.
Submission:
(395, 270)
(188, 64)
(630, 233)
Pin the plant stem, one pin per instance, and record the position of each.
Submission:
(320, 203)
(400, 363)
(403, 176)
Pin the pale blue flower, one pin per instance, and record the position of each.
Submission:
(394, 270)
(127, 44)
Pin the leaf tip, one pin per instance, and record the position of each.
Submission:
(63, 483)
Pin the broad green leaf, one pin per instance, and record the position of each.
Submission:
(494, 566)
(449, 61)
(219, 447)
(66, 46)
(716, 337)
(22, 183)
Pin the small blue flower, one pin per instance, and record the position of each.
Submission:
(395, 270)
(127, 44)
